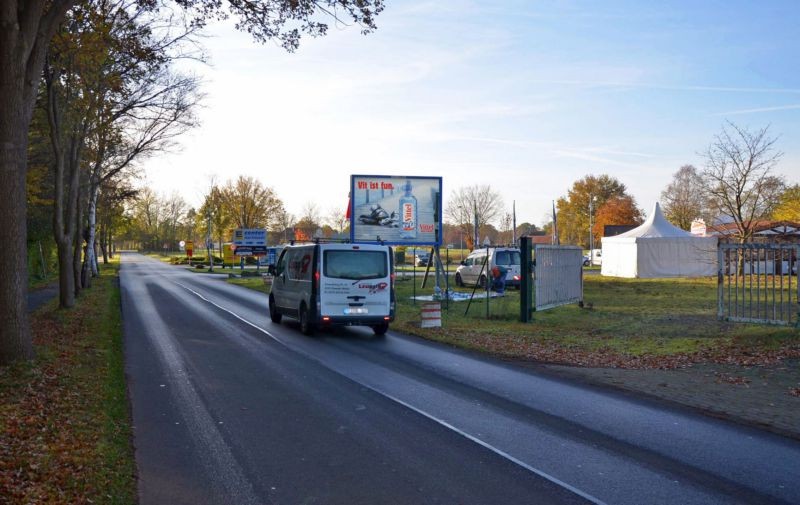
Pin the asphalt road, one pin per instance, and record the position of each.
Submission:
(231, 408)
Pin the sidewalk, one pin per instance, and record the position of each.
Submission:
(40, 296)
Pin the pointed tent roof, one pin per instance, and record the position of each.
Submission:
(655, 226)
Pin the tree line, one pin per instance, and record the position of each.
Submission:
(87, 90)
(737, 184)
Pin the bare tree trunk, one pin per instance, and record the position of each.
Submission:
(15, 336)
(77, 261)
(96, 262)
(91, 256)
(64, 202)
(25, 30)
(63, 231)
(104, 241)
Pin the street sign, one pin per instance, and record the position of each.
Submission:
(189, 248)
(250, 237)
(255, 250)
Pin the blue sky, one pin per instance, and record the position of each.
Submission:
(526, 96)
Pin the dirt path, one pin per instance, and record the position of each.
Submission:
(762, 396)
(40, 296)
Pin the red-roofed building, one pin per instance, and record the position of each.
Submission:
(764, 231)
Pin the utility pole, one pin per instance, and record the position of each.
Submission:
(209, 243)
(591, 234)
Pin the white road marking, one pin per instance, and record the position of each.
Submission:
(433, 418)
(219, 462)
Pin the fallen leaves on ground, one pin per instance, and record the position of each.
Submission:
(553, 351)
(731, 379)
(51, 415)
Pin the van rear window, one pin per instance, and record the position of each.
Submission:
(355, 265)
(507, 258)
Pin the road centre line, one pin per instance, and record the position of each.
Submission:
(428, 415)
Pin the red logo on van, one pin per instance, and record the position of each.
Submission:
(374, 288)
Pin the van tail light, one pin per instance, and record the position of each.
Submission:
(316, 278)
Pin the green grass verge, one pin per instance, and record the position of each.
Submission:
(256, 283)
(166, 258)
(625, 322)
(65, 430)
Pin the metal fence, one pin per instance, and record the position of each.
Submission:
(558, 275)
(758, 283)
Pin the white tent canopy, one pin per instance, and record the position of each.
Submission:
(659, 249)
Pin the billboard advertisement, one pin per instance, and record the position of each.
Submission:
(397, 210)
(250, 237)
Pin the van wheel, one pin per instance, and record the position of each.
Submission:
(306, 326)
(482, 281)
(459, 281)
(274, 315)
(380, 329)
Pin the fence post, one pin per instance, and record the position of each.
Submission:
(525, 288)
(797, 283)
(720, 278)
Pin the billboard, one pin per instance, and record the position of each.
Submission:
(397, 210)
(250, 237)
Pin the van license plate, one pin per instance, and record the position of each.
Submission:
(356, 310)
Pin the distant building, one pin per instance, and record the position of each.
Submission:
(764, 231)
(612, 230)
(541, 239)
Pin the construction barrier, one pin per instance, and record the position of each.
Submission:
(431, 315)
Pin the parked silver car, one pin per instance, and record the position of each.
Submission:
(476, 268)
(422, 259)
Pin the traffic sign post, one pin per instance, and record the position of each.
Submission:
(189, 249)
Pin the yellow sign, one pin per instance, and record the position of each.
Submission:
(189, 248)
(227, 254)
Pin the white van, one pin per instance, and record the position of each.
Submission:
(469, 272)
(334, 284)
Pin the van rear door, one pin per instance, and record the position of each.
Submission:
(510, 260)
(355, 282)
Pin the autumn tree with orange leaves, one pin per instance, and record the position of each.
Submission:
(616, 210)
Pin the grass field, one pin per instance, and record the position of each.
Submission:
(65, 432)
(660, 323)
(624, 322)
